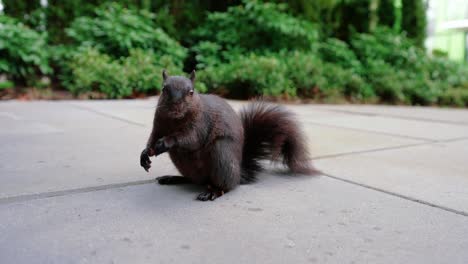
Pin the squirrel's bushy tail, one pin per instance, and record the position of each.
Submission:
(271, 132)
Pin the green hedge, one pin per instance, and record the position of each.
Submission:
(23, 52)
(246, 50)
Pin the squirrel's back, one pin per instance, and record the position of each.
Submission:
(221, 118)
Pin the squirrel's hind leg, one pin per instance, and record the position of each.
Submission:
(171, 180)
(225, 169)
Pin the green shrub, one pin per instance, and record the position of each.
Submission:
(338, 52)
(288, 73)
(23, 53)
(93, 71)
(398, 86)
(317, 79)
(116, 30)
(305, 70)
(448, 73)
(385, 81)
(144, 70)
(90, 70)
(454, 97)
(385, 45)
(6, 85)
(207, 54)
(253, 27)
(348, 83)
(249, 75)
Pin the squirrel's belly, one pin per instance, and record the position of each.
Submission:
(192, 165)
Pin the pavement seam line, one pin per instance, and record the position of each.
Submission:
(429, 120)
(343, 154)
(401, 196)
(31, 197)
(108, 115)
(36, 196)
(370, 131)
(372, 150)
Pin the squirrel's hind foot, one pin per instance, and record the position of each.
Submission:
(210, 194)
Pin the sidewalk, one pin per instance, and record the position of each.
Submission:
(394, 190)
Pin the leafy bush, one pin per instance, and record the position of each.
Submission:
(91, 70)
(386, 82)
(248, 75)
(385, 45)
(287, 73)
(6, 85)
(317, 79)
(347, 83)
(253, 27)
(454, 97)
(23, 53)
(449, 73)
(305, 70)
(141, 71)
(398, 86)
(116, 30)
(338, 52)
(399, 72)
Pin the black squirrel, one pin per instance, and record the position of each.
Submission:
(211, 145)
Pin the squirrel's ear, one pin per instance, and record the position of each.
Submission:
(164, 74)
(192, 76)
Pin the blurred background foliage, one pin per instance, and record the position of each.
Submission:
(325, 50)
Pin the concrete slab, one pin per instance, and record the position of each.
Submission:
(437, 114)
(48, 163)
(59, 115)
(142, 111)
(330, 141)
(278, 220)
(139, 112)
(53, 147)
(324, 141)
(435, 173)
(398, 127)
(73, 149)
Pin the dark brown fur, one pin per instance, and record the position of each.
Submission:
(211, 145)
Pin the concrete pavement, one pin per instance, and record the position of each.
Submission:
(394, 190)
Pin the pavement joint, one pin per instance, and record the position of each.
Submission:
(108, 115)
(309, 122)
(423, 142)
(30, 197)
(389, 148)
(370, 131)
(405, 197)
(430, 120)
(373, 150)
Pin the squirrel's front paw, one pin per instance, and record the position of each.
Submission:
(145, 161)
(160, 147)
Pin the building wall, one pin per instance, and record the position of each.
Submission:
(454, 42)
